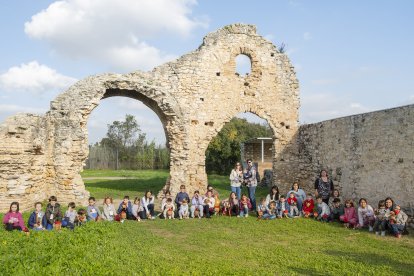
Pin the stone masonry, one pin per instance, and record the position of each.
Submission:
(368, 155)
(194, 97)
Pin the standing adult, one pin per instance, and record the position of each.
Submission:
(324, 186)
(299, 194)
(236, 179)
(249, 176)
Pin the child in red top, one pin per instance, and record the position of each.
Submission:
(13, 220)
(308, 206)
(293, 205)
(350, 217)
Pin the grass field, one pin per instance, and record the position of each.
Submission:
(221, 246)
(138, 182)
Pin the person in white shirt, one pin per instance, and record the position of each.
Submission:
(147, 203)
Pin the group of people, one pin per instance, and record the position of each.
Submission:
(329, 206)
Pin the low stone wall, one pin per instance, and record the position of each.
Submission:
(368, 155)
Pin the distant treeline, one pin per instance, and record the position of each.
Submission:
(125, 147)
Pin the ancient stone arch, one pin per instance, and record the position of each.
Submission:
(194, 96)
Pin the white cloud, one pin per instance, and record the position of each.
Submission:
(34, 78)
(320, 107)
(307, 36)
(113, 31)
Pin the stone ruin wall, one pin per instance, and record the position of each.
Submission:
(193, 96)
(368, 155)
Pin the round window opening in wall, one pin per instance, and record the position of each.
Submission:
(243, 65)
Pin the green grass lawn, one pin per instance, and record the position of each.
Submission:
(140, 181)
(220, 246)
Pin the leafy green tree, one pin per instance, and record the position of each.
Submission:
(224, 149)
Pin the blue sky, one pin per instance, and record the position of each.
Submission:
(350, 56)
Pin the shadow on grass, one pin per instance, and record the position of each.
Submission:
(373, 259)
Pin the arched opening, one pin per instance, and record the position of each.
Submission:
(127, 141)
(243, 65)
(245, 136)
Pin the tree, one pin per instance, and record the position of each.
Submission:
(224, 149)
(123, 134)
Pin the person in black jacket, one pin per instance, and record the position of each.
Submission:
(53, 213)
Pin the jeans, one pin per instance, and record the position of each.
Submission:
(252, 196)
(49, 226)
(244, 211)
(397, 228)
(236, 190)
(268, 216)
(299, 203)
(208, 211)
(380, 225)
(150, 208)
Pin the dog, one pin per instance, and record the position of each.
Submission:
(170, 213)
(226, 211)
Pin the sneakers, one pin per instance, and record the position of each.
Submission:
(398, 236)
(246, 215)
(377, 233)
(370, 229)
(382, 233)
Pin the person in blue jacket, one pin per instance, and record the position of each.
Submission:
(126, 206)
(37, 219)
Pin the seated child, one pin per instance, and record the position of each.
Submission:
(93, 211)
(169, 209)
(182, 195)
(337, 209)
(81, 217)
(323, 210)
(262, 208)
(37, 219)
(282, 207)
(147, 203)
(233, 205)
(126, 207)
(136, 208)
(70, 216)
(331, 199)
(271, 212)
(53, 213)
(197, 205)
(245, 206)
(293, 205)
(183, 212)
(381, 219)
(108, 210)
(308, 206)
(13, 219)
(209, 203)
(397, 221)
(366, 216)
(166, 196)
(349, 218)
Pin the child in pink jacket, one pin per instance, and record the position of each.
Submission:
(350, 218)
(13, 219)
